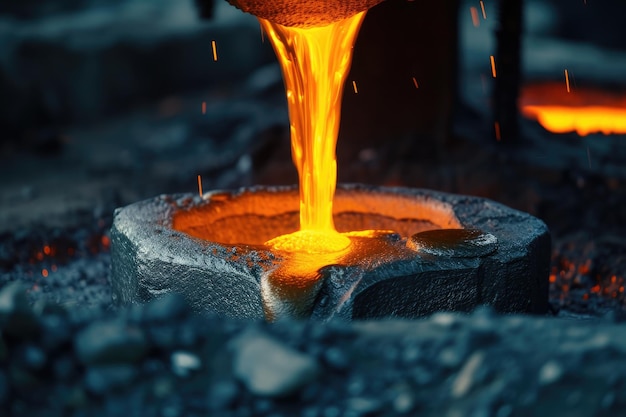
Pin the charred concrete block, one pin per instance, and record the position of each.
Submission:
(448, 252)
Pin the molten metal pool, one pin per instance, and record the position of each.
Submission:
(430, 252)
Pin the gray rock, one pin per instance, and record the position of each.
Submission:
(550, 373)
(222, 395)
(13, 299)
(184, 363)
(150, 257)
(16, 317)
(469, 375)
(403, 401)
(268, 368)
(361, 406)
(110, 342)
(164, 337)
(100, 379)
(454, 243)
(170, 306)
(32, 357)
(336, 358)
(56, 331)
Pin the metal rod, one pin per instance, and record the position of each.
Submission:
(508, 64)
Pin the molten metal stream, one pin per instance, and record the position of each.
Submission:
(315, 62)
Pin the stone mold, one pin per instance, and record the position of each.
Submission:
(211, 251)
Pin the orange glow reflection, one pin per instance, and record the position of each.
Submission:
(584, 111)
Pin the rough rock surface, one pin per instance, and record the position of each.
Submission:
(150, 258)
(447, 364)
(267, 368)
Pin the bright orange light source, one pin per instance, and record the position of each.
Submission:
(315, 62)
(583, 120)
(584, 111)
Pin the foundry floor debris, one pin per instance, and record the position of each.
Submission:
(159, 359)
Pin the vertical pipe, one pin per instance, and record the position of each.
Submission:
(508, 78)
(205, 9)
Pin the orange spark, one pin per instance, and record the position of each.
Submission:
(415, 83)
(567, 80)
(214, 48)
(44, 273)
(493, 66)
(356, 90)
(482, 7)
(497, 128)
(39, 256)
(105, 241)
(204, 107)
(46, 250)
(474, 13)
(200, 185)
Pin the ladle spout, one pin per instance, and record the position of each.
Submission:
(304, 13)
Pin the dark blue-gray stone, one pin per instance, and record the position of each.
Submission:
(503, 263)
(110, 342)
(101, 379)
(16, 317)
(268, 368)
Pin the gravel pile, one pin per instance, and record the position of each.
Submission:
(161, 360)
